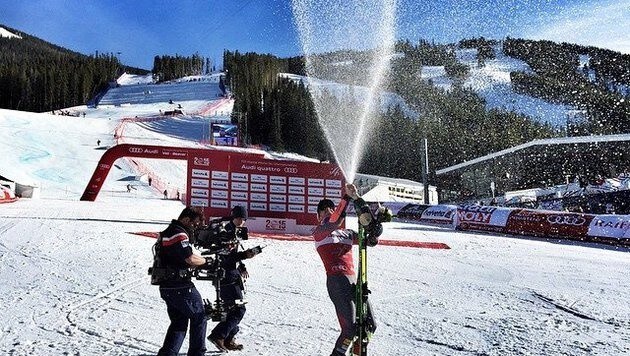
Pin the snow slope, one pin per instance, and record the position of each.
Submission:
(358, 93)
(6, 33)
(492, 82)
(73, 279)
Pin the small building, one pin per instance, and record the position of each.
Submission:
(384, 189)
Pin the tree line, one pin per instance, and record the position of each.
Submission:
(38, 76)
(595, 81)
(167, 67)
(279, 113)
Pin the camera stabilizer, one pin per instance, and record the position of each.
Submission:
(216, 242)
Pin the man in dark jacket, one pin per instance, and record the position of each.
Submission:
(183, 302)
(222, 336)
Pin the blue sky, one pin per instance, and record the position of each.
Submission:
(141, 29)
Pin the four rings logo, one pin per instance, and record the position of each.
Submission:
(135, 150)
(290, 170)
(566, 220)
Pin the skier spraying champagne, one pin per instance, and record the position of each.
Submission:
(334, 245)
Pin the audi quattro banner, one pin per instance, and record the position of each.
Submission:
(128, 150)
(610, 226)
(482, 218)
(286, 193)
(547, 223)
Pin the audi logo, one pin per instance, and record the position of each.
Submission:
(135, 150)
(290, 170)
(566, 220)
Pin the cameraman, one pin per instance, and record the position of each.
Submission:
(183, 301)
(222, 336)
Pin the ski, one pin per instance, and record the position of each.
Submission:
(370, 228)
(361, 299)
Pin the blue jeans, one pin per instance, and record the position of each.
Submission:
(184, 305)
(229, 328)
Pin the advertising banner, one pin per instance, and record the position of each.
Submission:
(548, 223)
(482, 218)
(439, 214)
(284, 192)
(610, 226)
(411, 212)
(272, 225)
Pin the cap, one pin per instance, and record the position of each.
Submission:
(325, 204)
(239, 212)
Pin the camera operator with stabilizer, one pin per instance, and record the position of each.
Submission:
(172, 269)
(231, 293)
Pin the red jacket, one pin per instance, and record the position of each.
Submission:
(334, 244)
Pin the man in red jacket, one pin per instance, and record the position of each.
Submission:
(334, 245)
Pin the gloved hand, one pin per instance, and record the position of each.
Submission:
(242, 270)
(208, 264)
(373, 231)
(251, 252)
(351, 191)
(371, 240)
(384, 214)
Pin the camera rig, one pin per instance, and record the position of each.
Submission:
(215, 242)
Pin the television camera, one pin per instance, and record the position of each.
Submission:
(216, 242)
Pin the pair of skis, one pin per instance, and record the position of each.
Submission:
(361, 298)
(370, 228)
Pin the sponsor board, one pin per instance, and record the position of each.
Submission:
(272, 189)
(548, 223)
(412, 211)
(272, 225)
(439, 214)
(610, 226)
(484, 218)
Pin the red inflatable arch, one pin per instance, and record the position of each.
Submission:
(285, 193)
(129, 150)
(6, 195)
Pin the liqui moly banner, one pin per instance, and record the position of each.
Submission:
(285, 193)
(482, 218)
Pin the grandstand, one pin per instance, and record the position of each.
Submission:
(148, 93)
(562, 167)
